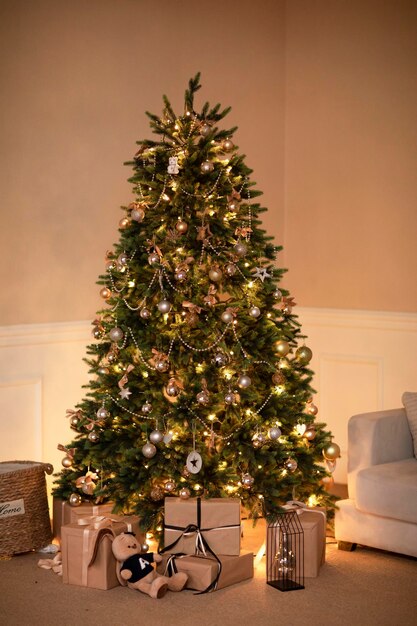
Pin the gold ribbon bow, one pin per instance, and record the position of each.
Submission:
(157, 356)
(243, 231)
(68, 451)
(203, 233)
(235, 195)
(209, 298)
(87, 480)
(72, 413)
(152, 246)
(124, 379)
(193, 308)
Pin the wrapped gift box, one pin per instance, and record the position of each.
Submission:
(64, 513)
(87, 557)
(313, 523)
(217, 518)
(202, 571)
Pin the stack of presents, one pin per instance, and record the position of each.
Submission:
(202, 538)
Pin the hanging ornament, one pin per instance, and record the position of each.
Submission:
(229, 398)
(148, 450)
(168, 437)
(233, 205)
(124, 223)
(258, 440)
(137, 213)
(244, 381)
(304, 354)
(282, 347)
(274, 433)
(204, 129)
(102, 413)
(185, 472)
(210, 299)
(75, 499)
(144, 547)
(173, 165)
(229, 314)
(261, 273)
(125, 393)
(181, 226)
(180, 275)
(173, 388)
(153, 258)
(277, 295)
(86, 483)
(203, 397)
(310, 433)
(96, 332)
(116, 334)
(311, 408)
(146, 408)
(184, 493)
(291, 465)
(254, 312)
(286, 305)
(157, 493)
(66, 462)
(278, 378)
(160, 361)
(156, 436)
(331, 465)
(105, 293)
(230, 269)
(113, 353)
(122, 260)
(227, 145)
(192, 313)
(103, 371)
(207, 167)
(331, 452)
(93, 436)
(164, 306)
(241, 249)
(170, 486)
(145, 313)
(220, 359)
(194, 461)
(247, 481)
(74, 417)
(215, 274)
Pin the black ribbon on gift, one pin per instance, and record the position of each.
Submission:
(202, 546)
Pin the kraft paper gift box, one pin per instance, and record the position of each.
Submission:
(64, 513)
(202, 571)
(87, 557)
(313, 523)
(218, 520)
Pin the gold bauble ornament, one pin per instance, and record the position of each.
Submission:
(66, 462)
(311, 408)
(157, 493)
(331, 452)
(105, 293)
(169, 486)
(228, 145)
(207, 167)
(310, 433)
(75, 499)
(184, 493)
(124, 223)
(304, 354)
(278, 378)
(282, 347)
(181, 227)
(215, 274)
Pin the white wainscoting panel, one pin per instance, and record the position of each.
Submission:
(363, 361)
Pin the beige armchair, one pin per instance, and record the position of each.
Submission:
(381, 511)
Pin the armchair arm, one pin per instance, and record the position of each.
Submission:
(375, 438)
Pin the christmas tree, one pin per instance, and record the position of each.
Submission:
(200, 380)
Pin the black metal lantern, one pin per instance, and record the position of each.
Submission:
(285, 553)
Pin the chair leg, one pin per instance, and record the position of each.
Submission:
(347, 546)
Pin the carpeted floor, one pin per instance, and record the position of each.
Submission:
(366, 588)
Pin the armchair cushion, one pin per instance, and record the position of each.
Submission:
(389, 490)
(410, 403)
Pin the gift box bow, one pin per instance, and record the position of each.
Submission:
(301, 507)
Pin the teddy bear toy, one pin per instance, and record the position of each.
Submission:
(135, 568)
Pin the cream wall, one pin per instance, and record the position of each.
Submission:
(76, 79)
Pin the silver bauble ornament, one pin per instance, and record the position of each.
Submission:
(146, 408)
(156, 436)
(256, 442)
(262, 438)
(137, 214)
(241, 249)
(233, 206)
(204, 129)
(215, 275)
(105, 293)
(291, 465)
(220, 359)
(124, 223)
(96, 333)
(170, 486)
(181, 227)
(277, 294)
(331, 452)
(304, 354)
(274, 433)
(227, 317)
(230, 269)
(184, 493)
(122, 259)
(227, 145)
(247, 481)
(244, 381)
(74, 421)
(203, 397)
(103, 371)
(148, 450)
(112, 357)
(111, 265)
(145, 313)
(161, 365)
(116, 334)
(254, 312)
(66, 462)
(282, 347)
(93, 436)
(87, 488)
(207, 167)
(164, 306)
(153, 258)
(172, 389)
(180, 275)
(229, 398)
(75, 499)
(102, 413)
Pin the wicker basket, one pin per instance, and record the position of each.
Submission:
(24, 514)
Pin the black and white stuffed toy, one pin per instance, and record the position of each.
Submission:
(135, 568)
